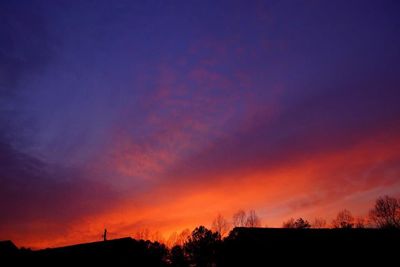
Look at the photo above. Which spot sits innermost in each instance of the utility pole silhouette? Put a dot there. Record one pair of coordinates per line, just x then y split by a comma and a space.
105, 234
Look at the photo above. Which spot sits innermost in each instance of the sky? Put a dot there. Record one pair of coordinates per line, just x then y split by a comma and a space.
159, 115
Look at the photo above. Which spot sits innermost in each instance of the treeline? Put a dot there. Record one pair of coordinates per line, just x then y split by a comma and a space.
247, 244
204, 247
384, 214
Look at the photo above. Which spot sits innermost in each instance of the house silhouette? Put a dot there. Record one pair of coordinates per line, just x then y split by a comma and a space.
7, 248
115, 252
315, 247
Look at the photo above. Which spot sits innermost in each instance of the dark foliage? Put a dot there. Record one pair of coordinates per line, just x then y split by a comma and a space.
202, 247
177, 257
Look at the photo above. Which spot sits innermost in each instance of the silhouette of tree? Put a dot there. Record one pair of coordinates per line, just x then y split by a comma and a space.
253, 220
142, 234
177, 257
300, 223
288, 224
201, 247
220, 225
386, 212
157, 253
359, 222
172, 239
239, 219
344, 219
319, 223
157, 237
183, 237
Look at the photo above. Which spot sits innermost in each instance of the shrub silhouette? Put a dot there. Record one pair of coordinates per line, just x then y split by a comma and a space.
239, 218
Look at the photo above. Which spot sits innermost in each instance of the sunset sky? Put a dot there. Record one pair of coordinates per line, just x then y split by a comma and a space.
158, 115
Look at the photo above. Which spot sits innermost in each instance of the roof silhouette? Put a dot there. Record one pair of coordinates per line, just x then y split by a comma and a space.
7, 247
107, 244
115, 252
260, 246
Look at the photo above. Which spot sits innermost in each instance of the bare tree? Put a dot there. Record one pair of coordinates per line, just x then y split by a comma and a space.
157, 236
252, 219
239, 219
143, 234
172, 240
344, 219
288, 224
300, 223
220, 225
386, 212
319, 223
359, 222
183, 237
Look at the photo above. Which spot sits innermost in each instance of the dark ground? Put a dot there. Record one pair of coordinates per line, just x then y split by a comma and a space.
243, 247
